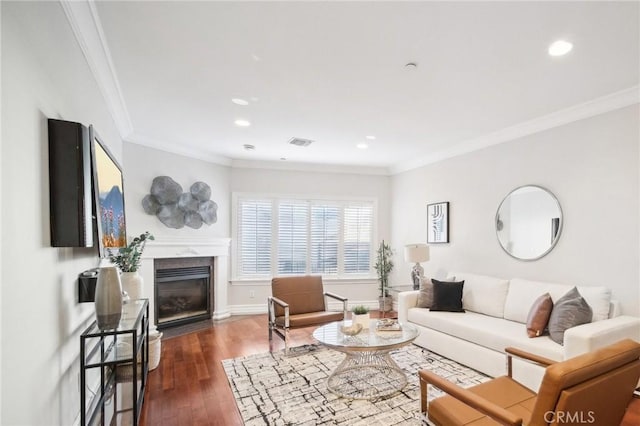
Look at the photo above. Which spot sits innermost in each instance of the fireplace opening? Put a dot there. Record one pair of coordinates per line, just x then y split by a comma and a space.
182, 292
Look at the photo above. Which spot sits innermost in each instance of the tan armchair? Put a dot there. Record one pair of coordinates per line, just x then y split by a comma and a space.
594, 388
299, 302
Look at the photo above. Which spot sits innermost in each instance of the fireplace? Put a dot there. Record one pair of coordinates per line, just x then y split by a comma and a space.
183, 290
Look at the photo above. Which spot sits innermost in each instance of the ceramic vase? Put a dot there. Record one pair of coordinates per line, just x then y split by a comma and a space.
133, 284
361, 319
108, 298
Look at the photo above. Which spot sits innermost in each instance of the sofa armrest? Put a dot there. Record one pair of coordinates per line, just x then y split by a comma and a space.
406, 300
588, 337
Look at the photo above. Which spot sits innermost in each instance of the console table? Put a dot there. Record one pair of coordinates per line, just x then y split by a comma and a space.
113, 368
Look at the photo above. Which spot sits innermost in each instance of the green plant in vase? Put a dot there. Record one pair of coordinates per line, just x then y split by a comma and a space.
360, 310
128, 261
128, 258
360, 316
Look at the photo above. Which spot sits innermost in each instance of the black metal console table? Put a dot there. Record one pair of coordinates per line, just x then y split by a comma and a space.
113, 368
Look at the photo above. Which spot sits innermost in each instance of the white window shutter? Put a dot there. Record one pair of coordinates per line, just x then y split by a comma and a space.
293, 222
325, 237
358, 227
254, 237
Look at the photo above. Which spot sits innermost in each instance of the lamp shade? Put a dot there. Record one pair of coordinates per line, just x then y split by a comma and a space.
416, 253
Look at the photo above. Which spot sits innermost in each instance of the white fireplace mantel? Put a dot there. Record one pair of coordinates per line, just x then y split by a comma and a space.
218, 248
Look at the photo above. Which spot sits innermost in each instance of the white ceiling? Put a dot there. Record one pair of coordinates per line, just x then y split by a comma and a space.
334, 72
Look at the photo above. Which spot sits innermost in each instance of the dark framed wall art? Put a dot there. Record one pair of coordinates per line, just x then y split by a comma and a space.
438, 222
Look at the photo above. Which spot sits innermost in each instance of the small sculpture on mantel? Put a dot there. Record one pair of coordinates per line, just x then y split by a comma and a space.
175, 208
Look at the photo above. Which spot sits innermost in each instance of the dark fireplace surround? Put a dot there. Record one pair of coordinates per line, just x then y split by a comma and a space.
183, 290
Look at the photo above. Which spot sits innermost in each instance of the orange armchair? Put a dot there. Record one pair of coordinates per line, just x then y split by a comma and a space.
593, 388
299, 302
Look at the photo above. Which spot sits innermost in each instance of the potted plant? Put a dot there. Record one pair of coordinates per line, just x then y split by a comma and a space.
360, 315
128, 261
384, 266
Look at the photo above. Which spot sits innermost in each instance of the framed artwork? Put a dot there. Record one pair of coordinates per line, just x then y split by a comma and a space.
438, 222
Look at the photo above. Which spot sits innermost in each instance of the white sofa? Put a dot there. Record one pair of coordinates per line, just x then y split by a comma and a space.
495, 318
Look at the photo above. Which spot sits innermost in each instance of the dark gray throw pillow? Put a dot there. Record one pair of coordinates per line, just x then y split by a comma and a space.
425, 297
447, 296
569, 311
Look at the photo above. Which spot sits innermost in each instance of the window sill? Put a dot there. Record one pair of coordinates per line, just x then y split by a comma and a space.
331, 280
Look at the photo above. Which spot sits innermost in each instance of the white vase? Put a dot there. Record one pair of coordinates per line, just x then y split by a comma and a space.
361, 319
133, 284
108, 300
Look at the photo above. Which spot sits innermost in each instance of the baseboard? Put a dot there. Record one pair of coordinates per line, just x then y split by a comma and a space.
220, 315
255, 309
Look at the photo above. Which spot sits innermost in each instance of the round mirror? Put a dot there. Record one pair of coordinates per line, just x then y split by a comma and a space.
528, 222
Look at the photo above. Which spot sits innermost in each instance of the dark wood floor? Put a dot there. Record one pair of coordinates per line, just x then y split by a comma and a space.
190, 386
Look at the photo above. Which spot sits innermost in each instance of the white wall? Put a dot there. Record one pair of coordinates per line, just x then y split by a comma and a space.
43, 75
591, 166
143, 164
310, 183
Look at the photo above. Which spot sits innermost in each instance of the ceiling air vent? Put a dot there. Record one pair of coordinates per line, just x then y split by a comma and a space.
300, 142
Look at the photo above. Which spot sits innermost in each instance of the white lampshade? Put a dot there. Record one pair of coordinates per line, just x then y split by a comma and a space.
416, 253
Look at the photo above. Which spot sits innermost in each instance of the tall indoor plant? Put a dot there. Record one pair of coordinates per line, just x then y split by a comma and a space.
384, 266
128, 261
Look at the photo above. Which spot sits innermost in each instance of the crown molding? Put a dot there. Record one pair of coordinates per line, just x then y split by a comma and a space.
601, 105
176, 148
87, 28
310, 167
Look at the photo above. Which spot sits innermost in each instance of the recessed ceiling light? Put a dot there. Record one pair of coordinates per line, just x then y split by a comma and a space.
362, 145
249, 147
371, 138
560, 47
242, 123
239, 101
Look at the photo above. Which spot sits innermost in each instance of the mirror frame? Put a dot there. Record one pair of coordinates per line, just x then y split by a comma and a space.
555, 240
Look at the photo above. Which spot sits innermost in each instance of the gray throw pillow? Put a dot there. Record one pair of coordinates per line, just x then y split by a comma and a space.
569, 311
425, 297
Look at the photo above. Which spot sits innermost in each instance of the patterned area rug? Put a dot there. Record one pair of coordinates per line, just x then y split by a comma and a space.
271, 389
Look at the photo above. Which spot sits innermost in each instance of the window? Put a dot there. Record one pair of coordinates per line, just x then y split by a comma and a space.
278, 236
254, 238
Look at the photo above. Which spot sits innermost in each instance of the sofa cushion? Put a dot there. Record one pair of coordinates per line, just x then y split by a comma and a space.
484, 294
599, 299
522, 294
447, 296
425, 297
568, 311
490, 332
539, 315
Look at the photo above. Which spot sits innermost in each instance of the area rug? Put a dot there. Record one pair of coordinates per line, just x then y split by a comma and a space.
271, 389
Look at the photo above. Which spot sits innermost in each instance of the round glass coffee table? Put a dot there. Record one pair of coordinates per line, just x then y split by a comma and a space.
367, 371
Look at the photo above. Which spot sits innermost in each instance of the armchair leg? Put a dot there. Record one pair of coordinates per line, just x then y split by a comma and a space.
423, 396
286, 341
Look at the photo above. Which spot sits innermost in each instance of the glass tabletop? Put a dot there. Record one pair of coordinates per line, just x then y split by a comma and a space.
367, 340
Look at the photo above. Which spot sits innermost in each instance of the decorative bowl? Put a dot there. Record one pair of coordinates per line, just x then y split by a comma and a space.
351, 330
